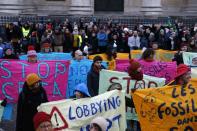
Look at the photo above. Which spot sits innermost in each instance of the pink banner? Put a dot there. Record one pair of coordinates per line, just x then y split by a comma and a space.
158, 69
54, 75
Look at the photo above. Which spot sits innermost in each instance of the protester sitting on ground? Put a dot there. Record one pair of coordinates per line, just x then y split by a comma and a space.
81, 91
8, 54
98, 124
42, 122
31, 96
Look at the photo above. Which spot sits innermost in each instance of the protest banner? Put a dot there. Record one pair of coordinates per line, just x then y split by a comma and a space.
109, 77
50, 56
161, 55
1, 110
78, 71
158, 69
76, 115
54, 75
194, 72
169, 108
190, 59
111, 63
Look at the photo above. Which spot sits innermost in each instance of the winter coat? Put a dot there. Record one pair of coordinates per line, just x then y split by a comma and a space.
27, 107
93, 81
102, 39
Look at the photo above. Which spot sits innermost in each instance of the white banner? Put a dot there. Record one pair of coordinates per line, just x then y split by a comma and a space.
76, 115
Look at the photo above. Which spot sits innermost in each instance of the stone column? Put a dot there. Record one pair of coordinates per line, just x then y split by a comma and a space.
81, 7
151, 7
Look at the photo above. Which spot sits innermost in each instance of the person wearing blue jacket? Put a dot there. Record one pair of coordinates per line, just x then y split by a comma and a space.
81, 91
102, 40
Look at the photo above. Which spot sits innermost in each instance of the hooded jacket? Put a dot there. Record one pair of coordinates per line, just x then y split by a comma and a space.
27, 107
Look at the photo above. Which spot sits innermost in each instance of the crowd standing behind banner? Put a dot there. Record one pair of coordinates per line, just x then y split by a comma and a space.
58, 48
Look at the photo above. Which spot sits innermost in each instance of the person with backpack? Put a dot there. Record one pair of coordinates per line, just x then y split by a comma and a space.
31, 96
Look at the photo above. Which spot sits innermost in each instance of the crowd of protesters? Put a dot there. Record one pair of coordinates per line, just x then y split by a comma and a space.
93, 37
85, 39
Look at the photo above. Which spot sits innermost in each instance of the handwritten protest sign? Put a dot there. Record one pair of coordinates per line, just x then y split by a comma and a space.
161, 55
158, 69
109, 77
54, 75
76, 115
78, 71
50, 56
169, 108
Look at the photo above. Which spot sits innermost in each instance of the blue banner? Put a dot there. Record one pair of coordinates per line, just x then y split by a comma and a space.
50, 56
78, 74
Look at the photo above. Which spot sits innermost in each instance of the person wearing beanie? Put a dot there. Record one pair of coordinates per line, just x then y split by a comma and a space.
32, 56
183, 75
98, 124
93, 76
81, 91
135, 70
42, 122
8, 54
31, 96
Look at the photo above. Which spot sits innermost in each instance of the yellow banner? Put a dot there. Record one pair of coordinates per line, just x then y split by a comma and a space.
161, 55
169, 108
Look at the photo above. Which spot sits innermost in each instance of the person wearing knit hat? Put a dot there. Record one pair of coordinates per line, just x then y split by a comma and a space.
81, 91
32, 56
31, 96
134, 70
98, 124
183, 74
42, 122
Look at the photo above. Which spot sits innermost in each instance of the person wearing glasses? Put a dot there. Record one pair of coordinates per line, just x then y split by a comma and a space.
31, 96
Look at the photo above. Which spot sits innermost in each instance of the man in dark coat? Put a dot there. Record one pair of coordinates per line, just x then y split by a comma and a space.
32, 95
93, 76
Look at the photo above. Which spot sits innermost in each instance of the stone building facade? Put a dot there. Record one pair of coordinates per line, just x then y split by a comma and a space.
87, 7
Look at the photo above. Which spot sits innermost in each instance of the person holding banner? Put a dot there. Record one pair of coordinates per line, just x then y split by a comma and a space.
32, 56
81, 91
93, 76
42, 122
31, 96
8, 54
183, 75
78, 55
